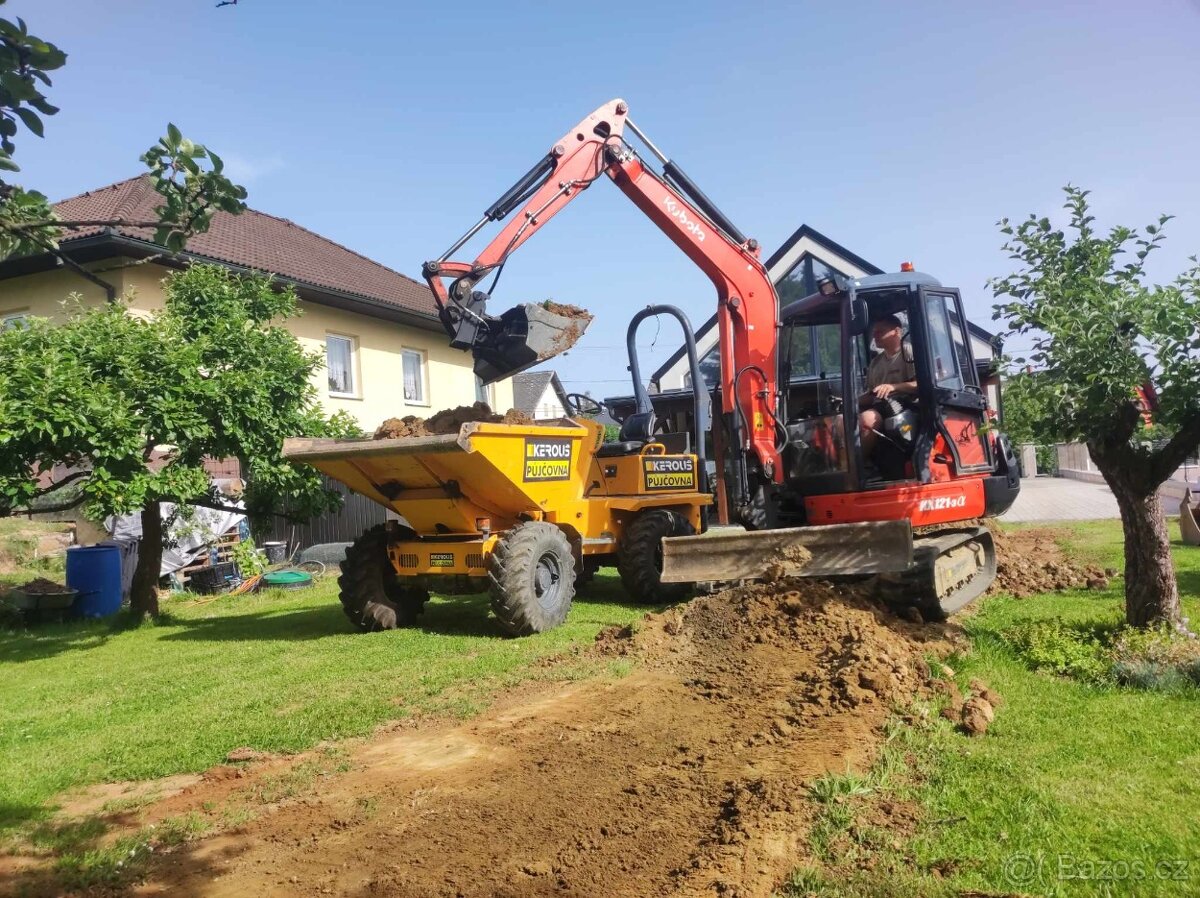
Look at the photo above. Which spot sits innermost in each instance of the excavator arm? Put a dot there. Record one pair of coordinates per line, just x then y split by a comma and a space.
747, 308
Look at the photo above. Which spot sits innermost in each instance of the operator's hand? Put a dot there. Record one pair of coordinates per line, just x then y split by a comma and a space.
883, 391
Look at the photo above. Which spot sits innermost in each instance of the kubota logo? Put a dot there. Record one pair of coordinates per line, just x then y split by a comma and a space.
942, 502
680, 216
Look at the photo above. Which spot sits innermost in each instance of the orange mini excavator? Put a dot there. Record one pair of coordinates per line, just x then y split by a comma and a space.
788, 446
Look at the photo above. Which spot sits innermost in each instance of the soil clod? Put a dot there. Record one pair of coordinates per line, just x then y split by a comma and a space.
448, 420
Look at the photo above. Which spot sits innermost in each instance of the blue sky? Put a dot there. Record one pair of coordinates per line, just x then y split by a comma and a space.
901, 130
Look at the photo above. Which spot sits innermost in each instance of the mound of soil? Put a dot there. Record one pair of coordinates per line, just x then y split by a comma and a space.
1031, 561
40, 586
685, 776
449, 420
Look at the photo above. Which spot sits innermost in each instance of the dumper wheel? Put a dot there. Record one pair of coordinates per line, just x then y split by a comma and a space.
532, 574
373, 597
640, 559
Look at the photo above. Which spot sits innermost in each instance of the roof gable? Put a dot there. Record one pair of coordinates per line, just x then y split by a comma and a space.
253, 240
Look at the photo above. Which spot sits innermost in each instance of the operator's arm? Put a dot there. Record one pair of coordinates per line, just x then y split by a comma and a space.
883, 391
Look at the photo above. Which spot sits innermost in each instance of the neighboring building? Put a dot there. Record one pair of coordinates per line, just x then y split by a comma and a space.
386, 353
804, 259
539, 394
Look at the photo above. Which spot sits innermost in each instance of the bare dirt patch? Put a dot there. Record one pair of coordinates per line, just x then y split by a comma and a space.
1031, 561
686, 776
449, 420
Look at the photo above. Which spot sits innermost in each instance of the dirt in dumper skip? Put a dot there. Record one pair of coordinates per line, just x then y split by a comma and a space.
686, 776
448, 420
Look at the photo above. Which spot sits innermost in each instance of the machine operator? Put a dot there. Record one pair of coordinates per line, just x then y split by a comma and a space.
889, 376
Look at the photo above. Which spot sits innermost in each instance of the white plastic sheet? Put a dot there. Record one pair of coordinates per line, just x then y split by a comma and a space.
189, 533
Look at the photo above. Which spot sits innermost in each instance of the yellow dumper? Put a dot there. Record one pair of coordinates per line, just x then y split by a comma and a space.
525, 512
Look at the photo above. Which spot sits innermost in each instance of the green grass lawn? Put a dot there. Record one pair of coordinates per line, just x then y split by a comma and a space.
99, 701
1076, 790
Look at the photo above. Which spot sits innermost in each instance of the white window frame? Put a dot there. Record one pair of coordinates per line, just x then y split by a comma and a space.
423, 360
355, 379
14, 319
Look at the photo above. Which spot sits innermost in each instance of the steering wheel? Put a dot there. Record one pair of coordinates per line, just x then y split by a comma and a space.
581, 404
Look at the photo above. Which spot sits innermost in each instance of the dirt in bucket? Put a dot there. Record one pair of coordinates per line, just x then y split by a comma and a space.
682, 773
569, 335
448, 420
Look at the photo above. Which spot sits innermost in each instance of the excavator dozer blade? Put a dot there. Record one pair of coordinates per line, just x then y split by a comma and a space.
522, 337
834, 550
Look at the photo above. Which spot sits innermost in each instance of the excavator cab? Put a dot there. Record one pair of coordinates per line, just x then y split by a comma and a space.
933, 436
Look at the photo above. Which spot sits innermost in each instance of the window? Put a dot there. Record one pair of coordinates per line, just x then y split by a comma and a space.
710, 368
803, 279
339, 363
941, 343
815, 351
13, 319
414, 376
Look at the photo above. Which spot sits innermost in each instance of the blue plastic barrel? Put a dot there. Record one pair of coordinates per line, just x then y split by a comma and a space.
96, 572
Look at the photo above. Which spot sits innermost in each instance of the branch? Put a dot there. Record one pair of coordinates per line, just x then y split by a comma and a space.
110, 292
1172, 455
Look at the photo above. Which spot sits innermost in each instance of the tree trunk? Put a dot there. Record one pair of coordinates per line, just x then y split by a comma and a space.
1151, 591
143, 598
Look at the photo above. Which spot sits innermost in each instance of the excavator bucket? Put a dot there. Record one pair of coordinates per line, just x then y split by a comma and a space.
525, 335
727, 553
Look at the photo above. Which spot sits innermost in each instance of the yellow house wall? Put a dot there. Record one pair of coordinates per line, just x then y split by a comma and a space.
449, 380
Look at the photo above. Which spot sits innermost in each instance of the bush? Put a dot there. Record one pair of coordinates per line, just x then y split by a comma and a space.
1060, 648
1106, 653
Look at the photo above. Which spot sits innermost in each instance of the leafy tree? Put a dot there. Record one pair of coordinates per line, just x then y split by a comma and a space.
1102, 330
191, 193
1027, 419
94, 394
132, 406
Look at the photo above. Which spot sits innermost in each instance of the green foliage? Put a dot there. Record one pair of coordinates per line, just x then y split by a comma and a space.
1100, 330
1027, 417
214, 375
191, 192
1060, 648
249, 558
1102, 653
24, 63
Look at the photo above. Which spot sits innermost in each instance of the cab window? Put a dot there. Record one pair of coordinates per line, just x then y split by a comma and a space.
942, 349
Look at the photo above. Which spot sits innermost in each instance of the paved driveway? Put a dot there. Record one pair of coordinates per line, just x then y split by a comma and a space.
1062, 499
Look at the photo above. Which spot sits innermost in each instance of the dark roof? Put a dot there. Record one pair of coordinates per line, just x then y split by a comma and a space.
875, 277
798, 235
817, 237
252, 240
529, 386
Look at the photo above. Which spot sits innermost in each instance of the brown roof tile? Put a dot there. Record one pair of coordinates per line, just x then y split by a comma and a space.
253, 240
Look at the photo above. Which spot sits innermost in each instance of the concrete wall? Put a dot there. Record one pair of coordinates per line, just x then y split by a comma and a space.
379, 380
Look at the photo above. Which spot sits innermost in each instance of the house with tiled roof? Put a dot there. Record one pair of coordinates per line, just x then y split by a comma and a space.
386, 353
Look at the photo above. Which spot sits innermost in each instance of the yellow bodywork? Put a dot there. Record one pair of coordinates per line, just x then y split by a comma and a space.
458, 491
